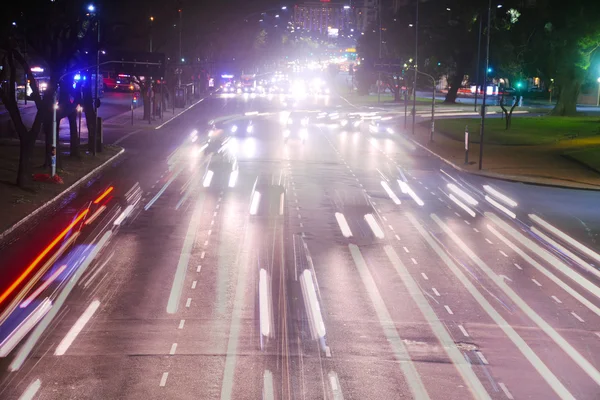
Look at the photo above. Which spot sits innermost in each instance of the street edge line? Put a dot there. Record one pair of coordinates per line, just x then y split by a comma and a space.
58, 196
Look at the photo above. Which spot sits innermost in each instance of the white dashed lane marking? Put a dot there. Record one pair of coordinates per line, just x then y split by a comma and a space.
463, 330
556, 299
163, 379
449, 310
434, 290
577, 317
181, 324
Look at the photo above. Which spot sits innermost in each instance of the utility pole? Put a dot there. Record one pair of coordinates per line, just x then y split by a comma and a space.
487, 66
478, 59
414, 110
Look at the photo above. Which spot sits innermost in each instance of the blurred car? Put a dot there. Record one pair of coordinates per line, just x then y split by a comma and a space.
381, 127
296, 127
268, 197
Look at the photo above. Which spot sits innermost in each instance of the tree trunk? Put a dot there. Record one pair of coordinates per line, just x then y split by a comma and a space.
457, 78
27, 143
73, 137
90, 117
567, 99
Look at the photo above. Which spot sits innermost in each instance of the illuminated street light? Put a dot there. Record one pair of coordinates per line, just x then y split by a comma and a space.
91, 8
151, 18
346, 7
284, 8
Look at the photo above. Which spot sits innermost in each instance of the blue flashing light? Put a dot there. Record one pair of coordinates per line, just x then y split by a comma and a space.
77, 77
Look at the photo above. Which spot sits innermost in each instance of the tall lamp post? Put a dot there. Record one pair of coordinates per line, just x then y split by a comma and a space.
92, 10
151, 21
485, 75
414, 109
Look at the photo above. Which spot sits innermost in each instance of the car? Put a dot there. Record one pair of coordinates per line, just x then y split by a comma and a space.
296, 127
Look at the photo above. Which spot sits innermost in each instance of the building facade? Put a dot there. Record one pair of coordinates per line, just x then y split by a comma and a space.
324, 17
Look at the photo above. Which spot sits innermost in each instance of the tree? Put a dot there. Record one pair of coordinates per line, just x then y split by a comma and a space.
27, 137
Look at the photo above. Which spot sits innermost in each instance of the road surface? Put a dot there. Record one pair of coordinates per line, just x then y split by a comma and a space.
350, 266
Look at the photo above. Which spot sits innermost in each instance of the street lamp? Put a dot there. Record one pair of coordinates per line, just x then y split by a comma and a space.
91, 8
151, 21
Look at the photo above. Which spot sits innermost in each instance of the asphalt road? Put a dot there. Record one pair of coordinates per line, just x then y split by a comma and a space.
350, 266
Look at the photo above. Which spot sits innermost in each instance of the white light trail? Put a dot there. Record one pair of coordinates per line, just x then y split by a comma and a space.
390, 193
374, 226
585, 250
344, 227
505, 199
500, 207
463, 195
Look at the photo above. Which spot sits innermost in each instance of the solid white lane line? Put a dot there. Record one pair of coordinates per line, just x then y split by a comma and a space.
163, 379
489, 241
583, 300
482, 357
264, 303
173, 349
536, 282
414, 261
508, 394
268, 393
335, 386
438, 328
503, 253
449, 310
188, 302
194, 284
463, 330
551, 379
436, 292
413, 379
556, 299
343, 224
31, 390
519, 302
424, 276
184, 257
577, 316
405, 249
70, 337
181, 324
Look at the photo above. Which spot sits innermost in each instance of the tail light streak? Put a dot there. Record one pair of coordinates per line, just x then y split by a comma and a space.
43, 286
41, 256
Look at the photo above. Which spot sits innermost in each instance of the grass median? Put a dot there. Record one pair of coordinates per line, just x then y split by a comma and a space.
525, 131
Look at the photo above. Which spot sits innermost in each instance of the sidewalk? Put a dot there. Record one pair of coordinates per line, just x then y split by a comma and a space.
544, 164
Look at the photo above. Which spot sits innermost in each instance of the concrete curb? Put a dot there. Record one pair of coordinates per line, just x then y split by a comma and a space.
550, 182
59, 196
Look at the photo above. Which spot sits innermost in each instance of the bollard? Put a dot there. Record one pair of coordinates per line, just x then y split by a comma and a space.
466, 144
